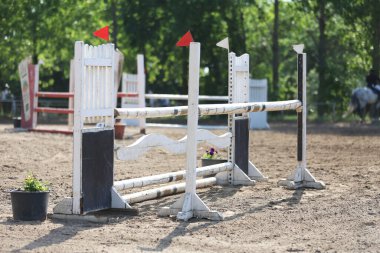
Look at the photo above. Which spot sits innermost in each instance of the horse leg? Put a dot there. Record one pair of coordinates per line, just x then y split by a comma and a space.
362, 113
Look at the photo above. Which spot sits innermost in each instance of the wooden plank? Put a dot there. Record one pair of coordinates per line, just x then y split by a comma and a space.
170, 177
127, 95
78, 125
99, 62
97, 170
54, 110
166, 191
213, 109
147, 142
185, 97
242, 144
43, 94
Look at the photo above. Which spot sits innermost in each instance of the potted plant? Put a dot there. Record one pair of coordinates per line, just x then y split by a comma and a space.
31, 202
211, 157
119, 129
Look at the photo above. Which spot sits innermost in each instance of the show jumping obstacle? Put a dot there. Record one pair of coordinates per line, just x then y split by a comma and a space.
93, 184
134, 94
29, 76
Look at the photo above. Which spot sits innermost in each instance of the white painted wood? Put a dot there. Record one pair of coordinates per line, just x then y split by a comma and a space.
192, 118
209, 109
24, 79
258, 92
78, 125
129, 86
97, 61
304, 112
117, 200
70, 120
147, 142
255, 173
36, 89
190, 205
93, 101
118, 72
98, 112
171, 176
141, 89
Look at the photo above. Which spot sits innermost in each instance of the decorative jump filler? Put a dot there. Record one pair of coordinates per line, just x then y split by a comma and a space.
94, 187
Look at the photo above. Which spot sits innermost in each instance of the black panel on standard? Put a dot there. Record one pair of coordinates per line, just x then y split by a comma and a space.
300, 114
97, 170
241, 144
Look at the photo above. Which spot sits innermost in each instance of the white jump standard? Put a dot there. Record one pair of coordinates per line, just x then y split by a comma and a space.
301, 178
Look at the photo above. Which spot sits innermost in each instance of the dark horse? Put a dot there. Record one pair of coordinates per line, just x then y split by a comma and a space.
364, 100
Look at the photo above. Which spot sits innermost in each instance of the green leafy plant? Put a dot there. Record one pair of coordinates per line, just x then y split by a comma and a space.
33, 184
211, 154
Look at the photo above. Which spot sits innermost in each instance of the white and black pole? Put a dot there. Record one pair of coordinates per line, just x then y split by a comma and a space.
301, 178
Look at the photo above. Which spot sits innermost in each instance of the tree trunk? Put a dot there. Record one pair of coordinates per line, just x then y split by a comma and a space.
185, 72
376, 45
114, 22
322, 89
275, 62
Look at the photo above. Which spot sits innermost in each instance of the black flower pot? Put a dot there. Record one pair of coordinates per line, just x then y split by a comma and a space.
28, 206
16, 122
208, 162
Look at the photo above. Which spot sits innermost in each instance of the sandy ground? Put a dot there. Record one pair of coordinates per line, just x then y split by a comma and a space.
264, 218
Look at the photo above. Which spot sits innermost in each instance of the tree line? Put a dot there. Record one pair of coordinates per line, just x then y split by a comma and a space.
342, 40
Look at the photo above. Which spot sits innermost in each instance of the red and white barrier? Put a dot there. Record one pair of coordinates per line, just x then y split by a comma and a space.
29, 76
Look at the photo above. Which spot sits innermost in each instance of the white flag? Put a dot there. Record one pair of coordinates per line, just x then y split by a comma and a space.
298, 48
224, 44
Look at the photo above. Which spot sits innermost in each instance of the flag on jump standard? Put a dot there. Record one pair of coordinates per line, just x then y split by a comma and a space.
185, 40
103, 33
224, 44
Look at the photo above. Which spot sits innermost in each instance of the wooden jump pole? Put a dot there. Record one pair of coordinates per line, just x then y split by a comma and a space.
213, 109
166, 191
170, 177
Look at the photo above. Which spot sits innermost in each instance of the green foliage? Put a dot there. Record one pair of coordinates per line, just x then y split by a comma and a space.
47, 30
32, 184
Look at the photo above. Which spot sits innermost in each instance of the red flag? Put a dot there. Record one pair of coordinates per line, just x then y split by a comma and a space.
103, 33
185, 40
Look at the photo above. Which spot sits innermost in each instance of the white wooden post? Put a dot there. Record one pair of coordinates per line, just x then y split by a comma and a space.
190, 205
70, 120
238, 92
78, 125
301, 178
35, 98
141, 89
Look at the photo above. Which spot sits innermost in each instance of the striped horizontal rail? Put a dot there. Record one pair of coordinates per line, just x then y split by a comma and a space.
51, 131
165, 191
54, 110
55, 94
173, 96
127, 95
212, 109
171, 176
185, 97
